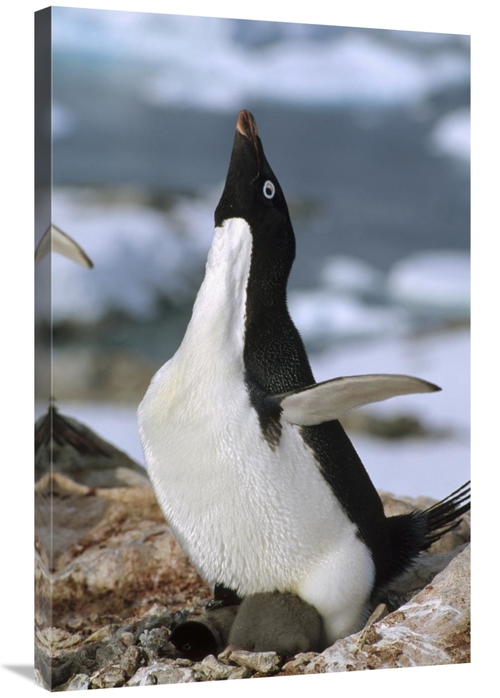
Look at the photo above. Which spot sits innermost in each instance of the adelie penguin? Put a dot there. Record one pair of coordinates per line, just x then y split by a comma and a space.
254, 473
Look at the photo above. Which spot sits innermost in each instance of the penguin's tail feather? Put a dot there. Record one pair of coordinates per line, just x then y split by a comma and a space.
444, 516
416, 531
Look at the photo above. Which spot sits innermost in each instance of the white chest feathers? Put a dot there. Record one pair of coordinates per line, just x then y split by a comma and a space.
250, 517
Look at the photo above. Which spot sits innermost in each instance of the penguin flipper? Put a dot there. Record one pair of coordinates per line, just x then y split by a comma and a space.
55, 239
333, 399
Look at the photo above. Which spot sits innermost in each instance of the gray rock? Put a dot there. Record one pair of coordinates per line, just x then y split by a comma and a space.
110, 652
126, 638
210, 669
39, 680
261, 662
164, 672
131, 660
79, 682
241, 673
155, 643
109, 677
65, 445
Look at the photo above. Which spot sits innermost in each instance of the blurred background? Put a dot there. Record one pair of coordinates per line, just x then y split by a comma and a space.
368, 134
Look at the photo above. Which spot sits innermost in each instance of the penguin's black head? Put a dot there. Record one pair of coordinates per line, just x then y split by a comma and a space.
253, 193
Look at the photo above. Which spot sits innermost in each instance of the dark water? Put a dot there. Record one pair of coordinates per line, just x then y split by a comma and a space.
361, 182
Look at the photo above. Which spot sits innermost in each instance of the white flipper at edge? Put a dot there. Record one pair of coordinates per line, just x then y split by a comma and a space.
55, 239
333, 399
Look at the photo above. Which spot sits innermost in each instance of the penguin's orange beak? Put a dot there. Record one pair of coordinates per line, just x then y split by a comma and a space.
246, 125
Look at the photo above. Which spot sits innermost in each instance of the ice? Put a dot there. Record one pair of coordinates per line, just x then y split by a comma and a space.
437, 281
356, 300
318, 65
451, 135
351, 275
140, 254
143, 255
321, 313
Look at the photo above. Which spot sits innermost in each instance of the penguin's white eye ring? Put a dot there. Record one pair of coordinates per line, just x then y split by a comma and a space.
269, 189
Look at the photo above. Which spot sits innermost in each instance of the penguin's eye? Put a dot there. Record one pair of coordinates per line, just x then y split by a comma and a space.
269, 189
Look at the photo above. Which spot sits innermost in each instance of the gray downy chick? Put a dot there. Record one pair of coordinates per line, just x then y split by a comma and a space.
277, 622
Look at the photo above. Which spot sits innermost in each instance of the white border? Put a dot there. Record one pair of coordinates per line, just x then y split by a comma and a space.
16, 293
